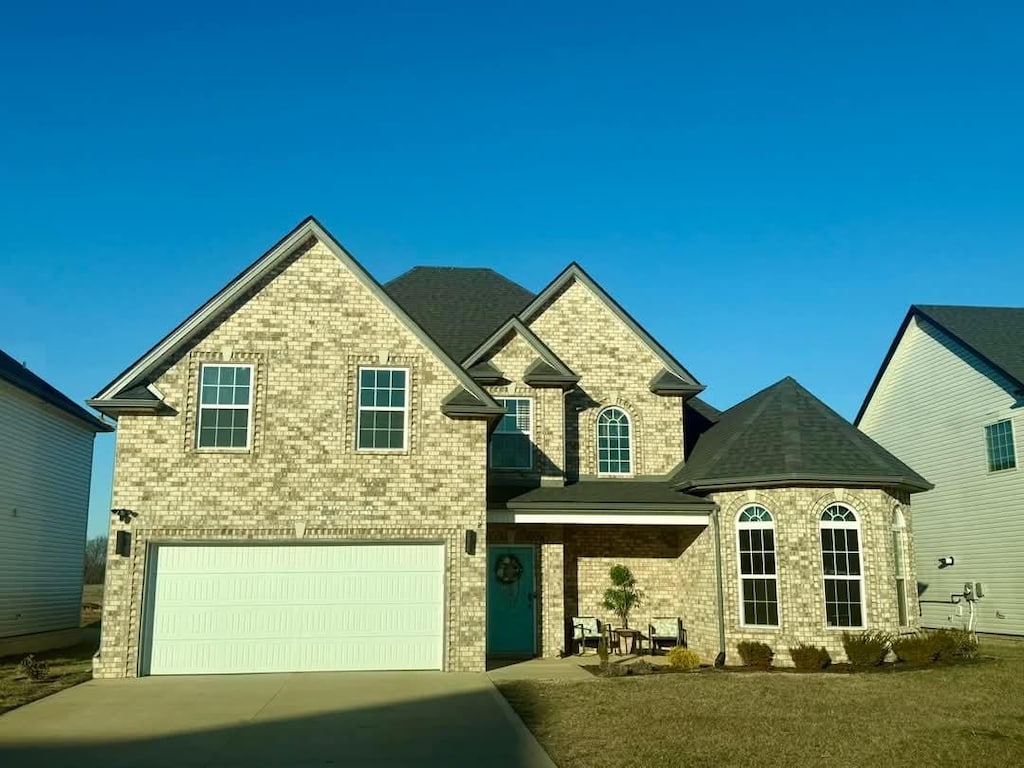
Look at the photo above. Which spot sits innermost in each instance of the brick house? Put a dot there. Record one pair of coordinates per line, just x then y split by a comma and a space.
321, 472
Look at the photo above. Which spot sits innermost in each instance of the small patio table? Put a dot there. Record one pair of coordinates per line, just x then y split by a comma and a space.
635, 639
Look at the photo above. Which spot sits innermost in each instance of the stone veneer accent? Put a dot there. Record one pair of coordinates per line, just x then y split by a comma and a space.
308, 327
616, 368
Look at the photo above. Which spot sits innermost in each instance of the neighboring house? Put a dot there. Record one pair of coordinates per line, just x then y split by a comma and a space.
327, 473
46, 445
949, 398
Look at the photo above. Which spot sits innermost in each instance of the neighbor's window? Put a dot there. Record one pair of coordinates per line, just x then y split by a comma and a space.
999, 442
614, 443
759, 593
225, 406
383, 408
512, 441
840, 557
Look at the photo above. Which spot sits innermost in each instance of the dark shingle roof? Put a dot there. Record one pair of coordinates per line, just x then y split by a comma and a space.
784, 435
995, 333
21, 377
588, 493
458, 306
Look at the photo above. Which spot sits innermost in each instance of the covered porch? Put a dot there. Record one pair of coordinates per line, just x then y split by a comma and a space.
550, 550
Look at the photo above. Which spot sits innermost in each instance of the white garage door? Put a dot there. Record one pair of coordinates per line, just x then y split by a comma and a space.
292, 608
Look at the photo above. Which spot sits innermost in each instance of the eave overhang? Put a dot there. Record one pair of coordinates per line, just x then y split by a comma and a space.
668, 384
125, 407
784, 480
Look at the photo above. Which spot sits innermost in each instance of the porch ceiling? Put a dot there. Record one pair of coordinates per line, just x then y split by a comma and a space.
609, 502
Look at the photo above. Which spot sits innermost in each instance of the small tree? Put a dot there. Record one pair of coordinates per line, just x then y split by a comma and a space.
95, 559
623, 596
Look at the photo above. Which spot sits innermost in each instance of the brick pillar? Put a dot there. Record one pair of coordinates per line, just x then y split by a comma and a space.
552, 595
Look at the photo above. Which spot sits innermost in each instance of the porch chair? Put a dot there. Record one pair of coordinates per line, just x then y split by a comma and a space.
584, 629
666, 629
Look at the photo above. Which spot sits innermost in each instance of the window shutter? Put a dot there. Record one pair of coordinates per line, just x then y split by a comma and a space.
524, 416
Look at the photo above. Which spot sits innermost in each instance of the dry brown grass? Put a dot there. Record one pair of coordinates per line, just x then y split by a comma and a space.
66, 667
970, 714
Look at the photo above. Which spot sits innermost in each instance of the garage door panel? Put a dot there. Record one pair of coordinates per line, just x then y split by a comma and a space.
282, 656
223, 609
297, 622
309, 587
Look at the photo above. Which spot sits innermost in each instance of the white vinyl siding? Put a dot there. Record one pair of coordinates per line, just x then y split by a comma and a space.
45, 468
930, 409
215, 609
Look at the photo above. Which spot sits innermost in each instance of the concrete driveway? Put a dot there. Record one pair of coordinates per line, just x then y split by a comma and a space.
311, 719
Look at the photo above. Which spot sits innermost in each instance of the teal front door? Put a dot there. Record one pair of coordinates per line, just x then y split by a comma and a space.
511, 597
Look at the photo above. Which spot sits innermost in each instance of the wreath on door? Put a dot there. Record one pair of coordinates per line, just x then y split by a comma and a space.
508, 569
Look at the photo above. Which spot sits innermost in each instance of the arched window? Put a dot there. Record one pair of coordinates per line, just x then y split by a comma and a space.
841, 567
614, 443
759, 593
899, 527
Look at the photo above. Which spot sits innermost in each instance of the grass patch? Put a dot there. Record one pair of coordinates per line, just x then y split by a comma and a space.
964, 714
65, 667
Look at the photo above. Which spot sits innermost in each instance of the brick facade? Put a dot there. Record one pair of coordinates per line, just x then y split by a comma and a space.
307, 328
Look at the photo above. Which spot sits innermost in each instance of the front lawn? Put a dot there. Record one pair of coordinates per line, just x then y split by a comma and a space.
971, 714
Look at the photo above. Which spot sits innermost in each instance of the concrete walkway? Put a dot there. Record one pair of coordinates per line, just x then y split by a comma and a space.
312, 719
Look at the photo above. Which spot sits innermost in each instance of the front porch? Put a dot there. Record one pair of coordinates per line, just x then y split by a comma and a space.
550, 551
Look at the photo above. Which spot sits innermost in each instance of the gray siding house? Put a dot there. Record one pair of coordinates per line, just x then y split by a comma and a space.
948, 400
46, 443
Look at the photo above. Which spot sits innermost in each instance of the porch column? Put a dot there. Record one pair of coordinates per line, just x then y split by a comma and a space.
552, 606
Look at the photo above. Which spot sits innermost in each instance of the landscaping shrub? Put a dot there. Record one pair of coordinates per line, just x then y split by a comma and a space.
683, 658
808, 657
866, 649
917, 648
934, 645
959, 644
756, 654
33, 668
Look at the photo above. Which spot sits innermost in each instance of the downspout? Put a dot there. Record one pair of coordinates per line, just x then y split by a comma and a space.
719, 592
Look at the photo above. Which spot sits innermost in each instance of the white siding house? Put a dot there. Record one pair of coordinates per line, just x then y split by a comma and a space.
46, 443
948, 401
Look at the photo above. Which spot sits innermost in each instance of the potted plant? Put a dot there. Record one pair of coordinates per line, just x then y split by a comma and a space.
623, 596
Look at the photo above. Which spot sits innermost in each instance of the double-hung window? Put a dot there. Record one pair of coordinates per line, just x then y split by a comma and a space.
383, 421
999, 446
512, 441
225, 406
840, 557
759, 581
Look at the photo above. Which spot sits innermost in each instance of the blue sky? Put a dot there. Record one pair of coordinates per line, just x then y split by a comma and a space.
766, 187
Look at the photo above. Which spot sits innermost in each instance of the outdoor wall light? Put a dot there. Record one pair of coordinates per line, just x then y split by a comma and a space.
470, 542
123, 544
124, 515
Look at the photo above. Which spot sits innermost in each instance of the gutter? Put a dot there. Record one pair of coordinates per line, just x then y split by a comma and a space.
719, 589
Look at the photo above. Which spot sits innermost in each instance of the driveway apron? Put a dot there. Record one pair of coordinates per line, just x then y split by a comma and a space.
302, 719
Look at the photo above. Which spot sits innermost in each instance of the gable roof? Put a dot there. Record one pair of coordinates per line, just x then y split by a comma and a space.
458, 306
307, 231
785, 436
17, 375
681, 380
995, 334
547, 370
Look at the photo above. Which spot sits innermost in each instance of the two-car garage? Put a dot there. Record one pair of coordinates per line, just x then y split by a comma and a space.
220, 609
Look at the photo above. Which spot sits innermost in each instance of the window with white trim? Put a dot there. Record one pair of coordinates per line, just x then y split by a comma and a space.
899, 526
512, 441
225, 406
383, 422
614, 442
759, 592
999, 446
841, 567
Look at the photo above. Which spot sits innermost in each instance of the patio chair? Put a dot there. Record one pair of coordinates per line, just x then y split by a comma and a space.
584, 629
666, 629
